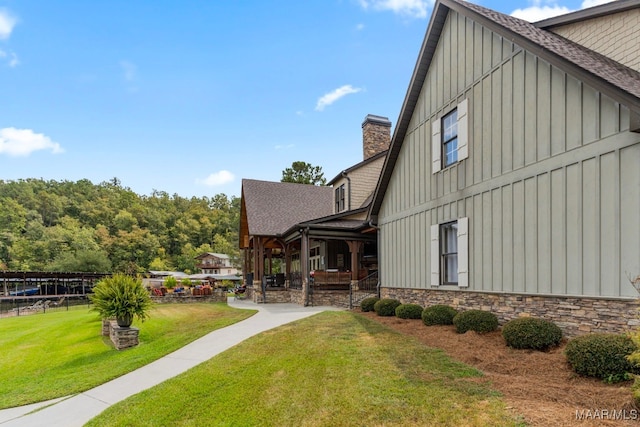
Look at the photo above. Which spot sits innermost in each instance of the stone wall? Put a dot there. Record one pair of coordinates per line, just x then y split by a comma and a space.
376, 135
576, 316
330, 298
190, 299
273, 296
123, 337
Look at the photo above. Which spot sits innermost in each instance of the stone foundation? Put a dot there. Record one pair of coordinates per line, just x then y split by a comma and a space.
217, 296
330, 298
273, 296
122, 337
296, 296
575, 315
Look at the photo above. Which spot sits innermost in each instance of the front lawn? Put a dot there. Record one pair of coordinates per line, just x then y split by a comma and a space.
334, 368
45, 356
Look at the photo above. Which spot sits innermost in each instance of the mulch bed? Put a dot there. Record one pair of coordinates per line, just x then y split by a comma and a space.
540, 386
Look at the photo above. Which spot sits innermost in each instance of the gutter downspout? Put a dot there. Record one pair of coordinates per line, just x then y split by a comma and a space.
346, 175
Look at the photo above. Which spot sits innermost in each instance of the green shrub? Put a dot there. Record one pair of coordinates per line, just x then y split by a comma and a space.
439, 314
170, 282
475, 320
635, 391
386, 307
409, 311
602, 356
533, 333
121, 297
368, 303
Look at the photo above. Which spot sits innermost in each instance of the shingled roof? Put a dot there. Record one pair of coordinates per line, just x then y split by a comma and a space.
271, 208
617, 81
543, 43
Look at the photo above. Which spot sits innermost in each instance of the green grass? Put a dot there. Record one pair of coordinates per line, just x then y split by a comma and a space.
45, 356
332, 369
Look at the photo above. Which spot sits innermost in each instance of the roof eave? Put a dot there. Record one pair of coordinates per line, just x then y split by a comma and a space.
589, 13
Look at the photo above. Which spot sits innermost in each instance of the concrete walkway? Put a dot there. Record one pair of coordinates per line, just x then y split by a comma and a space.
78, 409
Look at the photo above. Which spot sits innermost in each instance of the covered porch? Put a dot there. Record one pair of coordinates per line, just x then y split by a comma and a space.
303, 267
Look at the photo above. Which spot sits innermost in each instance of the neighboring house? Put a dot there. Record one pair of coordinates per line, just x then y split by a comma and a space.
318, 236
512, 183
213, 263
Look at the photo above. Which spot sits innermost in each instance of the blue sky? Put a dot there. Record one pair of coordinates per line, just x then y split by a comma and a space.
191, 96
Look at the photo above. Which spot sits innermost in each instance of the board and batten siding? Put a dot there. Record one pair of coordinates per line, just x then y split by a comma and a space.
551, 186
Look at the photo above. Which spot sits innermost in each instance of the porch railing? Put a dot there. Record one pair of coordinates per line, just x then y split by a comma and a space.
367, 287
331, 280
295, 280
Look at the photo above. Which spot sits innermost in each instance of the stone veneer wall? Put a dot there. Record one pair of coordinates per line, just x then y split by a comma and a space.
376, 135
172, 299
273, 296
330, 298
576, 316
123, 337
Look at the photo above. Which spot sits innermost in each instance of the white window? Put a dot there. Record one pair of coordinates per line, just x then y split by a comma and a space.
450, 253
450, 138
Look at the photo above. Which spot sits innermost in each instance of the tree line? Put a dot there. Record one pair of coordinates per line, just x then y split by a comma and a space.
81, 226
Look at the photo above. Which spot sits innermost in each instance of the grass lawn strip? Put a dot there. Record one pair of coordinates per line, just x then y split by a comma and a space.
334, 368
58, 354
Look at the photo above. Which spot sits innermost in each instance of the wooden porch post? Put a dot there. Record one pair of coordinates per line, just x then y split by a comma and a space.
355, 248
304, 265
270, 259
287, 260
260, 259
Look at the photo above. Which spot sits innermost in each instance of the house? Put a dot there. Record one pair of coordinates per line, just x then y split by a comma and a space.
213, 263
512, 182
313, 244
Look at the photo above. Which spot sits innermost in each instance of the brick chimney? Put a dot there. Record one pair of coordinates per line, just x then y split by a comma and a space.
376, 135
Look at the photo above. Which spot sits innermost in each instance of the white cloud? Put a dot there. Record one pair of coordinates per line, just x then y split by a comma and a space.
22, 142
7, 22
359, 27
331, 97
538, 13
414, 8
12, 58
217, 179
129, 70
543, 9
591, 3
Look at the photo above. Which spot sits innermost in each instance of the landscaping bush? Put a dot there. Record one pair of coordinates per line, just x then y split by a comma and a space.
409, 311
386, 307
602, 356
475, 320
533, 333
368, 303
439, 314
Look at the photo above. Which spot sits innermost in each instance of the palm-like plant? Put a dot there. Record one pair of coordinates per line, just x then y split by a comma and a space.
122, 297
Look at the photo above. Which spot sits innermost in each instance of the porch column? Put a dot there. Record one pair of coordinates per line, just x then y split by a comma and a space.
246, 265
355, 248
304, 264
287, 265
270, 259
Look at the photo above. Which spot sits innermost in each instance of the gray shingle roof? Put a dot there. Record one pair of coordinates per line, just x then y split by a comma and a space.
599, 65
273, 207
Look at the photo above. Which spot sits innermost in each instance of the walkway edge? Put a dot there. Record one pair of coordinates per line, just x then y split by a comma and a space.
79, 409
